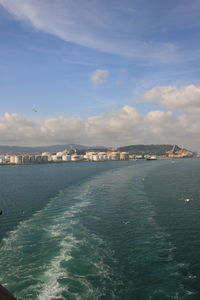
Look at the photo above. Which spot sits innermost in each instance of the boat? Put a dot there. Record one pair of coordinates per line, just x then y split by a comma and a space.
153, 157
188, 199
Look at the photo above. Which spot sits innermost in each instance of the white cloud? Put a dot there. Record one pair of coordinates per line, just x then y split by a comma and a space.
15, 129
185, 99
99, 77
120, 127
93, 25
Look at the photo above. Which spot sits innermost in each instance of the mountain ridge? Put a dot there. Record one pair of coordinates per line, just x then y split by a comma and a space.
156, 149
5, 149
151, 149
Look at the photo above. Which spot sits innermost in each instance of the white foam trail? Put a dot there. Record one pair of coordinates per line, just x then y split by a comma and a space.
16, 238
51, 289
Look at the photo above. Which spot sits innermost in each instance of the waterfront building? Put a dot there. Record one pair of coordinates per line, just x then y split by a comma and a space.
2, 159
18, 159
109, 156
131, 156
7, 158
56, 158
115, 155
76, 157
53, 157
38, 158
89, 155
59, 154
66, 157
32, 159
48, 154
102, 156
12, 159
95, 157
124, 155
45, 159
139, 156
25, 159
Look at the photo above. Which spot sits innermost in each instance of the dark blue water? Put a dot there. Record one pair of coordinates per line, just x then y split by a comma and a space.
112, 230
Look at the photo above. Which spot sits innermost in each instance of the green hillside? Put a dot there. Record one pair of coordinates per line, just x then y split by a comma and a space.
148, 149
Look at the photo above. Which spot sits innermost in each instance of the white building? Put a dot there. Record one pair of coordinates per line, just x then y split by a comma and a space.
7, 158
48, 154
12, 159
95, 157
89, 155
66, 157
115, 155
2, 159
76, 157
18, 159
124, 155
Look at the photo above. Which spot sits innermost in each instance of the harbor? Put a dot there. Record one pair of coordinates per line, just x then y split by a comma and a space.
79, 155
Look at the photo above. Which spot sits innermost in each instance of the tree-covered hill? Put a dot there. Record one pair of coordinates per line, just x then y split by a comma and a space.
148, 149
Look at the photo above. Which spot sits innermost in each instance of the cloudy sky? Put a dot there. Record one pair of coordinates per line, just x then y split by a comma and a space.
100, 72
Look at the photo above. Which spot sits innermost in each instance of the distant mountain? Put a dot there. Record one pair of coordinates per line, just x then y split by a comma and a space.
54, 148
132, 149
148, 149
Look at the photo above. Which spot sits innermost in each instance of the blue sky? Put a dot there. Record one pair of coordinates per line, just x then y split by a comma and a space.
106, 67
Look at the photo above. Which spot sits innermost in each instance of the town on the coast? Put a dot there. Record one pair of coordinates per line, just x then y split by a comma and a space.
69, 155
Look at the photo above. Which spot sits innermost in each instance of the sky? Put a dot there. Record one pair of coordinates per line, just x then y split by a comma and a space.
98, 72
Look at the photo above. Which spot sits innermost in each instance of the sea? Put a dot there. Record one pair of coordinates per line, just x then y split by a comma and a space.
124, 230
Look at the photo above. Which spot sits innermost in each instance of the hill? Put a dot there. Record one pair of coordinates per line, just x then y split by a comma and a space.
4, 149
132, 149
148, 149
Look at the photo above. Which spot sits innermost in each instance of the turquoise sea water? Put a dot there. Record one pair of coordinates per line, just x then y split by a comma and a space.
111, 230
